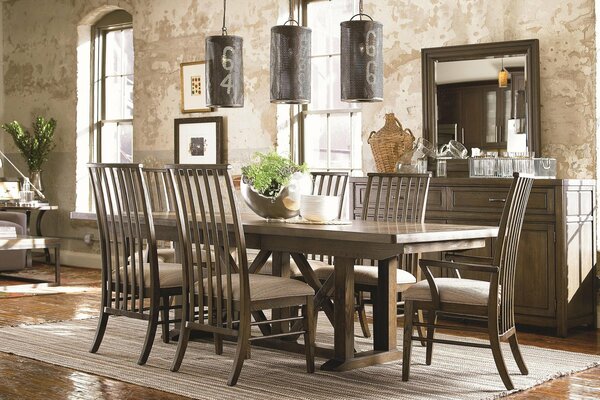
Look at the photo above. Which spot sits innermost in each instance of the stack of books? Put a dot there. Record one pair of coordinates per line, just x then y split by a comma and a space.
8, 232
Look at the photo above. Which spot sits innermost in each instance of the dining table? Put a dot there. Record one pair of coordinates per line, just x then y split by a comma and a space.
345, 242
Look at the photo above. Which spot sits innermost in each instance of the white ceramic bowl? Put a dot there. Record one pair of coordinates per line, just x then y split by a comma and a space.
319, 208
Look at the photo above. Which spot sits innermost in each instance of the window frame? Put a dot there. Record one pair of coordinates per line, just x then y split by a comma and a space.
303, 111
118, 20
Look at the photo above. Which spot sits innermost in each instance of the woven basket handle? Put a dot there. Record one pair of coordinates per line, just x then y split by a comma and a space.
370, 136
402, 128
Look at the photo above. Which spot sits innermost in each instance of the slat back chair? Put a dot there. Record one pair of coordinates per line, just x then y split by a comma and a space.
496, 304
217, 289
329, 184
160, 201
160, 197
396, 197
130, 287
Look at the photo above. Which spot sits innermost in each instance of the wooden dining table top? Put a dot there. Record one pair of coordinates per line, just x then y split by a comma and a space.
385, 232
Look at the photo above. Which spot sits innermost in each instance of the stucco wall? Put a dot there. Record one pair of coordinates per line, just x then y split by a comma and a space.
40, 72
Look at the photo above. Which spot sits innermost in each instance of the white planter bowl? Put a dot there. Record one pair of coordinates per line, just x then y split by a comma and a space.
319, 208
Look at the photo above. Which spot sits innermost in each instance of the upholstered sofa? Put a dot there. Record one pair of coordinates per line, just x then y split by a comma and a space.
13, 259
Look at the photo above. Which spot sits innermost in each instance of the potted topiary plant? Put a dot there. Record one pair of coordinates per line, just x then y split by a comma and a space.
34, 147
272, 185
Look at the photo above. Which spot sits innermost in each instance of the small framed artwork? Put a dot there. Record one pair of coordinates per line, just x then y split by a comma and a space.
199, 140
193, 87
9, 189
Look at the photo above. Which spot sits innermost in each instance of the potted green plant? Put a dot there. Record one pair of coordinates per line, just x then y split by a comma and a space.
272, 185
34, 147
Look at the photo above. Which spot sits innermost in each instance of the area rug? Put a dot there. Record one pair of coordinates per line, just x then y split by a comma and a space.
456, 372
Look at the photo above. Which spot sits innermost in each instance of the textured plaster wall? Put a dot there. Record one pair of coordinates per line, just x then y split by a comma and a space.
40, 73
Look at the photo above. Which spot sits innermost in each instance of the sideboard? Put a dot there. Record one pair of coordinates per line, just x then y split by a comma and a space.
556, 261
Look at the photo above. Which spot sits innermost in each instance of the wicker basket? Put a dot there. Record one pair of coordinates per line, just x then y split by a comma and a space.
390, 143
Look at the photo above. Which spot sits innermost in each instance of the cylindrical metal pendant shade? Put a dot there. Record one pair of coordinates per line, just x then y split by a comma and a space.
290, 64
362, 61
224, 71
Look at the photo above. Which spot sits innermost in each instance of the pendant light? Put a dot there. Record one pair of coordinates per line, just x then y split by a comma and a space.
503, 76
290, 62
362, 59
224, 69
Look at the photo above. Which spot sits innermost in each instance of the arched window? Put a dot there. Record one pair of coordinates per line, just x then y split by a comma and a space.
112, 88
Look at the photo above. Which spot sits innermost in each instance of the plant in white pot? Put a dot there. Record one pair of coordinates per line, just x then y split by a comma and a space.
35, 147
272, 185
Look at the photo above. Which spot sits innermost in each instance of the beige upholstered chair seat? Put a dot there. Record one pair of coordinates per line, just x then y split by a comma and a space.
169, 275
452, 290
264, 287
267, 269
367, 275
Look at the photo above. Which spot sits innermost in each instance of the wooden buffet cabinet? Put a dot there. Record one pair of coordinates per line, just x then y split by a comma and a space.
556, 262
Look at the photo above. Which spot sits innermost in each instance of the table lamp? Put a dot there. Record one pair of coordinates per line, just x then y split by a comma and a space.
20, 173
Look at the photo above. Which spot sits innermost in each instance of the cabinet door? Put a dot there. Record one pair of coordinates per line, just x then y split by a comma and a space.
535, 286
491, 130
471, 117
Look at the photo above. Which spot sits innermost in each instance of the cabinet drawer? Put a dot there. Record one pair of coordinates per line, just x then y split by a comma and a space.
436, 199
541, 201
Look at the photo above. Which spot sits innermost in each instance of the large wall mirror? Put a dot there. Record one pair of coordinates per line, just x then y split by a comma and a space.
464, 100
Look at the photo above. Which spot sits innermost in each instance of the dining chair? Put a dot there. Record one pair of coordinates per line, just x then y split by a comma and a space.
131, 288
160, 201
397, 197
491, 301
225, 295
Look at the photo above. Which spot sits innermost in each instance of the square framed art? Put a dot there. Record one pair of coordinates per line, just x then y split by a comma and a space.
199, 140
193, 87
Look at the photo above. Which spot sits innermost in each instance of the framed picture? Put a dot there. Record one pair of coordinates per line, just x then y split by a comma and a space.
193, 87
9, 189
199, 140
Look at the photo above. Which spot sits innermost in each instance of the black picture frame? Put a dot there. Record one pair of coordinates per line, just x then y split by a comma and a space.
199, 140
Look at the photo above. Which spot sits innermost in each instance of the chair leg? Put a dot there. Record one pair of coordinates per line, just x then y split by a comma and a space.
218, 339
150, 334
102, 322
240, 354
362, 316
309, 335
514, 347
431, 321
184, 338
407, 340
497, 352
165, 318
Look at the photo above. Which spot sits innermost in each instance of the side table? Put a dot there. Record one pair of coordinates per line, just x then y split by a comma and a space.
41, 210
26, 242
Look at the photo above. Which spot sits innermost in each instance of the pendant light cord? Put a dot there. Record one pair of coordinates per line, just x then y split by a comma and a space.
291, 19
224, 29
360, 9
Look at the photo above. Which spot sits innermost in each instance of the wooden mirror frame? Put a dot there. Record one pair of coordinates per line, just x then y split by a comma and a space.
529, 47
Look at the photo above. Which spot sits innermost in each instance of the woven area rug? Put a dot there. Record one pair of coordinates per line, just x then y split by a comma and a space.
456, 372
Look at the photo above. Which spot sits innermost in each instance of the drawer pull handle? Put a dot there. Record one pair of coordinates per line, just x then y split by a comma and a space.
497, 200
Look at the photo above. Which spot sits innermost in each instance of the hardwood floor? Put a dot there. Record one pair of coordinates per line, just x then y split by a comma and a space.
24, 378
